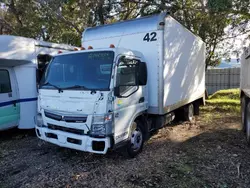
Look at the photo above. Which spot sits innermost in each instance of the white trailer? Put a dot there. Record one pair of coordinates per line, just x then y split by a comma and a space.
133, 79
19, 59
245, 92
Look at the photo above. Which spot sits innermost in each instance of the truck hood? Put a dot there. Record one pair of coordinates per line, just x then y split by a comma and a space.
73, 102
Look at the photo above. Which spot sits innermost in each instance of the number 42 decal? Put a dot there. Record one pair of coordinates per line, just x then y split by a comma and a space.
150, 37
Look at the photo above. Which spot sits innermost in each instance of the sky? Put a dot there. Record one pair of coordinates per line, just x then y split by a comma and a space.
237, 43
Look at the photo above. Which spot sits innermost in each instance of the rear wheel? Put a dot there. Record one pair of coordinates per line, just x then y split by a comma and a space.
189, 112
247, 122
197, 108
243, 112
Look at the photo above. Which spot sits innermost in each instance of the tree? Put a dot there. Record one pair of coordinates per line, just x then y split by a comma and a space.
214, 20
63, 21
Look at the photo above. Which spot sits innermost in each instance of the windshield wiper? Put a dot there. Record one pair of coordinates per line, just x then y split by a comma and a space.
75, 87
49, 84
79, 87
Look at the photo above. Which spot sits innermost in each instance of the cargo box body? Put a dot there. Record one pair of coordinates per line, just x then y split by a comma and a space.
175, 57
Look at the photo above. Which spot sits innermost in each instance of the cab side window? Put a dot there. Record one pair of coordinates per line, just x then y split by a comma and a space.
126, 74
42, 61
5, 85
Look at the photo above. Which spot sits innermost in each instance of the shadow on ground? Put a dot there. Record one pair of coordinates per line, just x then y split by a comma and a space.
211, 152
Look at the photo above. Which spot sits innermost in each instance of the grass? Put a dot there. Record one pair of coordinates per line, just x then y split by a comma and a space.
224, 100
233, 94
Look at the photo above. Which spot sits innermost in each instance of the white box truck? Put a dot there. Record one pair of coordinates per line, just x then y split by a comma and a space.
19, 59
245, 92
131, 80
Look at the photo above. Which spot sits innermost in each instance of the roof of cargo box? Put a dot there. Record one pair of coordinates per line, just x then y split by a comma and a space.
15, 50
137, 25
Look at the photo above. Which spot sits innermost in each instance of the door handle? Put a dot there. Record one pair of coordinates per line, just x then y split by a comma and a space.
14, 103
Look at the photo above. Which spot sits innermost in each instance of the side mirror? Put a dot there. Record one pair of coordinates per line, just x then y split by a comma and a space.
117, 91
143, 74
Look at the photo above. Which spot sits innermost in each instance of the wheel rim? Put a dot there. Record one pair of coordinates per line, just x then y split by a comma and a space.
248, 123
136, 139
190, 112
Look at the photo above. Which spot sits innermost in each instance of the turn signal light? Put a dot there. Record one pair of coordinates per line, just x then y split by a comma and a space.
59, 52
82, 48
90, 47
75, 49
112, 46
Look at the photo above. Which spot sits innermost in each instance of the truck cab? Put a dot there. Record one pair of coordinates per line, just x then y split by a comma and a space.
84, 94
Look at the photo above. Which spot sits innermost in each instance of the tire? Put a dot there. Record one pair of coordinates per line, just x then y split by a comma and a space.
179, 115
189, 112
247, 121
197, 108
243, 112
136, 141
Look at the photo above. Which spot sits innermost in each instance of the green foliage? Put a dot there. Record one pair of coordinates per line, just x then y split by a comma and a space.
63, 21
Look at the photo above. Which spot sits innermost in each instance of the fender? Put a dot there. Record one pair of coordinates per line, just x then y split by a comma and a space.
126, 138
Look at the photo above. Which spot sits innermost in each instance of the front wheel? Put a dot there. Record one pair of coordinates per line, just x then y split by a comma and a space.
135, 144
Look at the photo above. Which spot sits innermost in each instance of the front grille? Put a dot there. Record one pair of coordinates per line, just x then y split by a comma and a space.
66, 129
53, 116
69, 119
75, 119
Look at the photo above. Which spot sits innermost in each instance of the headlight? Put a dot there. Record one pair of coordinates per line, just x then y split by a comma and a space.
98, 130
102, 125
39, 120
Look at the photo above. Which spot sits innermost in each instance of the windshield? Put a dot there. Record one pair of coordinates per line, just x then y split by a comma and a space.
89, 70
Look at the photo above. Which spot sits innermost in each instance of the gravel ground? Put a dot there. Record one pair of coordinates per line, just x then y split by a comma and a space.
210, 152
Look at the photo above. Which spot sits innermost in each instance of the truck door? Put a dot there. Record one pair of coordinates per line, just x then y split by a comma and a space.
9, 106
131, 100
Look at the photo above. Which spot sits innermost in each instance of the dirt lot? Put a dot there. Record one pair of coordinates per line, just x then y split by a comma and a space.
210, 152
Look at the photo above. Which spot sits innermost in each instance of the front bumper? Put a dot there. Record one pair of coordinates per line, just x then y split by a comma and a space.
74, 141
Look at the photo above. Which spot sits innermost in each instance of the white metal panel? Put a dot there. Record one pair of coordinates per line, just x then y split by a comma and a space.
184, 64
245, 70
21, 50
16, 47
26, 79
